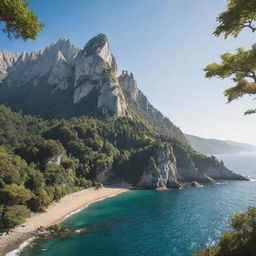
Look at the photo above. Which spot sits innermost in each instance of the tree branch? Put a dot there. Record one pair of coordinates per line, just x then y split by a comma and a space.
249, 25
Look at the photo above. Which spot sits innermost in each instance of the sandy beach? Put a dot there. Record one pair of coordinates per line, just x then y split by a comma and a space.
55, 213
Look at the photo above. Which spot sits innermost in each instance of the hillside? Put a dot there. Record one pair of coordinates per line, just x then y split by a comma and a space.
216, 147
86, 126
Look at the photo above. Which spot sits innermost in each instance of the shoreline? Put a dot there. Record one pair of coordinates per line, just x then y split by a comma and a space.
56, 213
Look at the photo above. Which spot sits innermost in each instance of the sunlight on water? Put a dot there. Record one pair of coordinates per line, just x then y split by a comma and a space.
152, 223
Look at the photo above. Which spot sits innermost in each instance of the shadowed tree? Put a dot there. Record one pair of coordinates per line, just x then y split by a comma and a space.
18, 21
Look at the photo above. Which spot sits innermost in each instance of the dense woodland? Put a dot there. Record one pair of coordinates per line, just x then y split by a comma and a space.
31, 176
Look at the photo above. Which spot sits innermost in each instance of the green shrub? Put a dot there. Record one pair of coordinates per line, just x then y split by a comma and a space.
14, 215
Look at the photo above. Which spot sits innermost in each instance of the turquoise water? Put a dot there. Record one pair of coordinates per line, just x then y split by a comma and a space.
154, 223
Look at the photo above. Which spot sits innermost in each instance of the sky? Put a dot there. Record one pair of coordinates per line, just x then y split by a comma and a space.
166, 44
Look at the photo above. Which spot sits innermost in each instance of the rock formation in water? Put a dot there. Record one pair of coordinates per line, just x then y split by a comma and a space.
161, 171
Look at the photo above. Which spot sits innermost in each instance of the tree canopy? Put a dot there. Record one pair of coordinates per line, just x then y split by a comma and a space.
240, 14
241, 241
18, 21
241, 66
31, 177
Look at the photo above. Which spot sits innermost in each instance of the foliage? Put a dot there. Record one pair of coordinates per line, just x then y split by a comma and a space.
19, 21
241, 241
240, 66
14, 194
89, 149
14, 215
240, 14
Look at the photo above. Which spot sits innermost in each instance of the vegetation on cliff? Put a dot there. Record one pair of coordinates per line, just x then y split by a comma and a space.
43, 160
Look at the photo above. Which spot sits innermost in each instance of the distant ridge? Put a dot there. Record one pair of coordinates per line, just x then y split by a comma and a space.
217, 147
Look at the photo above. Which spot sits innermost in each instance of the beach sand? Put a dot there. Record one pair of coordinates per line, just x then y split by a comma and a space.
55, 213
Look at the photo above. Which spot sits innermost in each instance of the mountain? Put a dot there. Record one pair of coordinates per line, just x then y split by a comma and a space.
100, 119
245, 146
63, 81
216, 147
6, 59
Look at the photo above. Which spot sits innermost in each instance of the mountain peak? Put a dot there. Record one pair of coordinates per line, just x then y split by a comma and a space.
81, 82
96, 43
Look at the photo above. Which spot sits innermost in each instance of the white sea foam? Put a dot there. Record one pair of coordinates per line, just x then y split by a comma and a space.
251, 178
21, 247
26, 243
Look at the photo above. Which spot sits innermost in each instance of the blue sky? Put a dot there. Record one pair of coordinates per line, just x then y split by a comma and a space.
166, 44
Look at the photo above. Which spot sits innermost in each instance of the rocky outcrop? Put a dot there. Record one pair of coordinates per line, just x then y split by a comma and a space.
165, 169
7, 58
73, 80
55, 159
96, 69
222, 173
139, 103
54, 61
195, 184
63, 66
161, 171
103, 176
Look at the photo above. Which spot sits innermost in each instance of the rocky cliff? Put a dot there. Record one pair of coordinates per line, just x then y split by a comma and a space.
7, 58
140, 107
169, 164
161, 170
62, 67
62, 80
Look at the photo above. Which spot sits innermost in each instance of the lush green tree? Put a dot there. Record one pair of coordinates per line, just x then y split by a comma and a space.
18, 20
39, 201
14, 194
241, 241
240, 14
14, 215
240, 66
13, 169
35, 181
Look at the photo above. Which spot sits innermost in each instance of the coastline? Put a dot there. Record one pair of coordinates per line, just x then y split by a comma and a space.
56, 212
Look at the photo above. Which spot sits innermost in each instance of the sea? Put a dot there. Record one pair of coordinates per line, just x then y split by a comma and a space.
156, 223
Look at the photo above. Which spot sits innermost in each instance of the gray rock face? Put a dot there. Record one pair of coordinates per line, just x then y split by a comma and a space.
63, 65
95, 68
161, 171
104, 175
56, 159
7, 58
54, 61
222, 174
139, 102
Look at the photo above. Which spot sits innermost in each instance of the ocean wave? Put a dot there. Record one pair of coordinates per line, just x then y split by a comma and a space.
21, 247
251, 178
